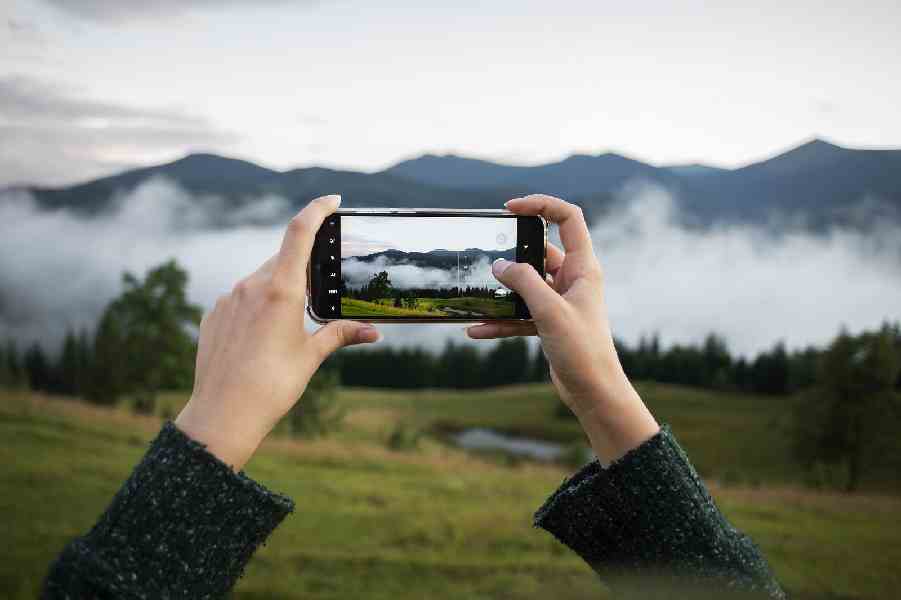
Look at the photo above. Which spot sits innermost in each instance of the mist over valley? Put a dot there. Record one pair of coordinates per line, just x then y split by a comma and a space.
748, 253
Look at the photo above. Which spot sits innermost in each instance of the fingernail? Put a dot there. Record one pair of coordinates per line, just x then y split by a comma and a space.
334, 199
480, 331
500, 265
369, 335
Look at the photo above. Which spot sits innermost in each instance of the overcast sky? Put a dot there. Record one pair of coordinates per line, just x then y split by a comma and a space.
361, 236
88, 87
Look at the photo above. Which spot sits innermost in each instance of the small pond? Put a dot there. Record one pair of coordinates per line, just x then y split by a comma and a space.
478, 438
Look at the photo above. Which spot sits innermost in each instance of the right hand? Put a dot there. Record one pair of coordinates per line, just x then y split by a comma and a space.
570, 316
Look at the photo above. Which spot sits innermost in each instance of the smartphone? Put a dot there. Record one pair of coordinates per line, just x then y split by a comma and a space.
420, 265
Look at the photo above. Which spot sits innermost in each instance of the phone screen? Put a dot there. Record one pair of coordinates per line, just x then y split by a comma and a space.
425, 267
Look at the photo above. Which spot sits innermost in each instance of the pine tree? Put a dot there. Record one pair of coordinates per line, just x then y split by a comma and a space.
68, 368
838, 423
540, 367
5, 375
14, 365
508, 363
85, 361
38, 368
107, 374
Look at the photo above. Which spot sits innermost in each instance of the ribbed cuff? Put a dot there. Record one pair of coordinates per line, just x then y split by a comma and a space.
650, 510
185, 523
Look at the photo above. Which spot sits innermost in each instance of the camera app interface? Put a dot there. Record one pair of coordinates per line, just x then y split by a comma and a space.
425, 267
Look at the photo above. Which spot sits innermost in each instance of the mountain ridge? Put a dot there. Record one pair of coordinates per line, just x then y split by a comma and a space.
818, 184
436, 259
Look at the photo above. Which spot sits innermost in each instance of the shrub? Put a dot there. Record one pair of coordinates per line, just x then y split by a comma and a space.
404, 437
317, 412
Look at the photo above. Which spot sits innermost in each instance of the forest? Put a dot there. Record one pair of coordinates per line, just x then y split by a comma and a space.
145, 341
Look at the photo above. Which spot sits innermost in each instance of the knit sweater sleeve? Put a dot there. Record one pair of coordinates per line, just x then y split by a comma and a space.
182, 526
648, 517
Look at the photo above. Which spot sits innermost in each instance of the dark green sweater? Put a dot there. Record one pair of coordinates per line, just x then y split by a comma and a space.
184, 525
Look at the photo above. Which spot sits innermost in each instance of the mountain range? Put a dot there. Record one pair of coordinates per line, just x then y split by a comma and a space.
437, 259
815, 185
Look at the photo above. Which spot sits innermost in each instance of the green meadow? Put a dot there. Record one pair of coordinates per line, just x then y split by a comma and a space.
429, 307
433, 521
354, 307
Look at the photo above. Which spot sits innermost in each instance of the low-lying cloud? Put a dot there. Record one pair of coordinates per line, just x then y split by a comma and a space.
405, 276
752, 286
59, 270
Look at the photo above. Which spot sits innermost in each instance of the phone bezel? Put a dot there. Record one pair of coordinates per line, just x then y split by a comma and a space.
424, 212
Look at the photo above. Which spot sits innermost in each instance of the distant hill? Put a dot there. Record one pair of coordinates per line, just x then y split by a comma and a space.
240, 182
576, 176
693, 170
815, 185
457, 172
437, 259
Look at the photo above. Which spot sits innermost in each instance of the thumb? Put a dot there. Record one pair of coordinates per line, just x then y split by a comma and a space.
339, 334
523, 279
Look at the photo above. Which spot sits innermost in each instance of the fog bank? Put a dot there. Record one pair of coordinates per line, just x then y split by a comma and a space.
404, 276
749, 285
59, 270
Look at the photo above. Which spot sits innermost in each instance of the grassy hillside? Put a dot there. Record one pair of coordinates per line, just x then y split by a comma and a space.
733, 437
429, 307
434, 522
354, 307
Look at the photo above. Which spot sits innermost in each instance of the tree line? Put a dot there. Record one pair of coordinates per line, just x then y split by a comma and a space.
845, 395
143, 343
707, 365
460, 366
710, 365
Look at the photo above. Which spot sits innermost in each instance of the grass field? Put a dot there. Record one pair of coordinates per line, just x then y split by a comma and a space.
437, 522
430, 307
354, 307
755, 426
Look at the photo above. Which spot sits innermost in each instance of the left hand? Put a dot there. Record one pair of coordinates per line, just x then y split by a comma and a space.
255, 357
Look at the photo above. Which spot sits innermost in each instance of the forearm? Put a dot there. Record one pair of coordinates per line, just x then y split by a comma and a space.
649, 514
182, 526
613, 416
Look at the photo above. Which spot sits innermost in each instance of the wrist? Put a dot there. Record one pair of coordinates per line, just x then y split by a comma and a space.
232, 444
615, 419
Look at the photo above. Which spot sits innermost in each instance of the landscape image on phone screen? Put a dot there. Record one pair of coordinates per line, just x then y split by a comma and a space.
425, 267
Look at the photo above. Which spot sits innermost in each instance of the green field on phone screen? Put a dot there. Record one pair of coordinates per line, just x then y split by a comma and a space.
429, 307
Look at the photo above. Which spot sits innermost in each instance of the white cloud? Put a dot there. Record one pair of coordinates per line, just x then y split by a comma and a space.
405, 275
58, 269
750, 286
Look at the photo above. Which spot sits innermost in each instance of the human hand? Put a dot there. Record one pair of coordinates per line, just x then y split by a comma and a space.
570, 316
254, 357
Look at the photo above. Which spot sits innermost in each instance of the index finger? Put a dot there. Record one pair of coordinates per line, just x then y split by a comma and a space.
568, 217
294, 254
